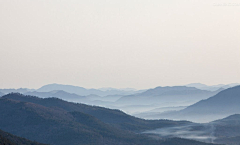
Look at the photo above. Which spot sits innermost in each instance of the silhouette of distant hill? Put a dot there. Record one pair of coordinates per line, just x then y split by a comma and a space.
212, 88
167, 96
58, 94
84, 92
21, 90
90, 99
223, 104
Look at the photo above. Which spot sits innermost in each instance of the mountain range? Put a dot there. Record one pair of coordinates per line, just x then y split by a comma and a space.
223, 104
128, 100
84, 92
53, 118
57, 122
212, 88
139, 102
167, 96
20, 90
58, 94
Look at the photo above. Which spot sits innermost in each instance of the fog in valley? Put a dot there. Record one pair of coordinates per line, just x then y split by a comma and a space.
119, 72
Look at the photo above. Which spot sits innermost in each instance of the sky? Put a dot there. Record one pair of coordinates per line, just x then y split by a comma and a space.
119, 43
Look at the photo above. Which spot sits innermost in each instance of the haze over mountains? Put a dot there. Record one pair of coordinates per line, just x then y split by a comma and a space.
84, 92
223, 104
106, 91
20, 90
128, 100
167, 95
212, 88
123, 99
49, 116
163, 97
55, 121
223, 131
119, 72
58, 94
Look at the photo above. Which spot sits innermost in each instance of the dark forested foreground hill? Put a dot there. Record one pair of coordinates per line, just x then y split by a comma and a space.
54, 121
9, 139
116, 118
178, 141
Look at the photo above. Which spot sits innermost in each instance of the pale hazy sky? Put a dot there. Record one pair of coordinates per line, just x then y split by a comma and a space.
119, 43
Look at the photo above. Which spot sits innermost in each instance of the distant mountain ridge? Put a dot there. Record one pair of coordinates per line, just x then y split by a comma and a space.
161, 95
58, 94
20, 90
83, 91
128, 100
212, 88
174, 90
223, 104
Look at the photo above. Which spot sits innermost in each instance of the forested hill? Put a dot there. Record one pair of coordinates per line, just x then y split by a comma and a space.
9, 139
114, 117
57, 122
